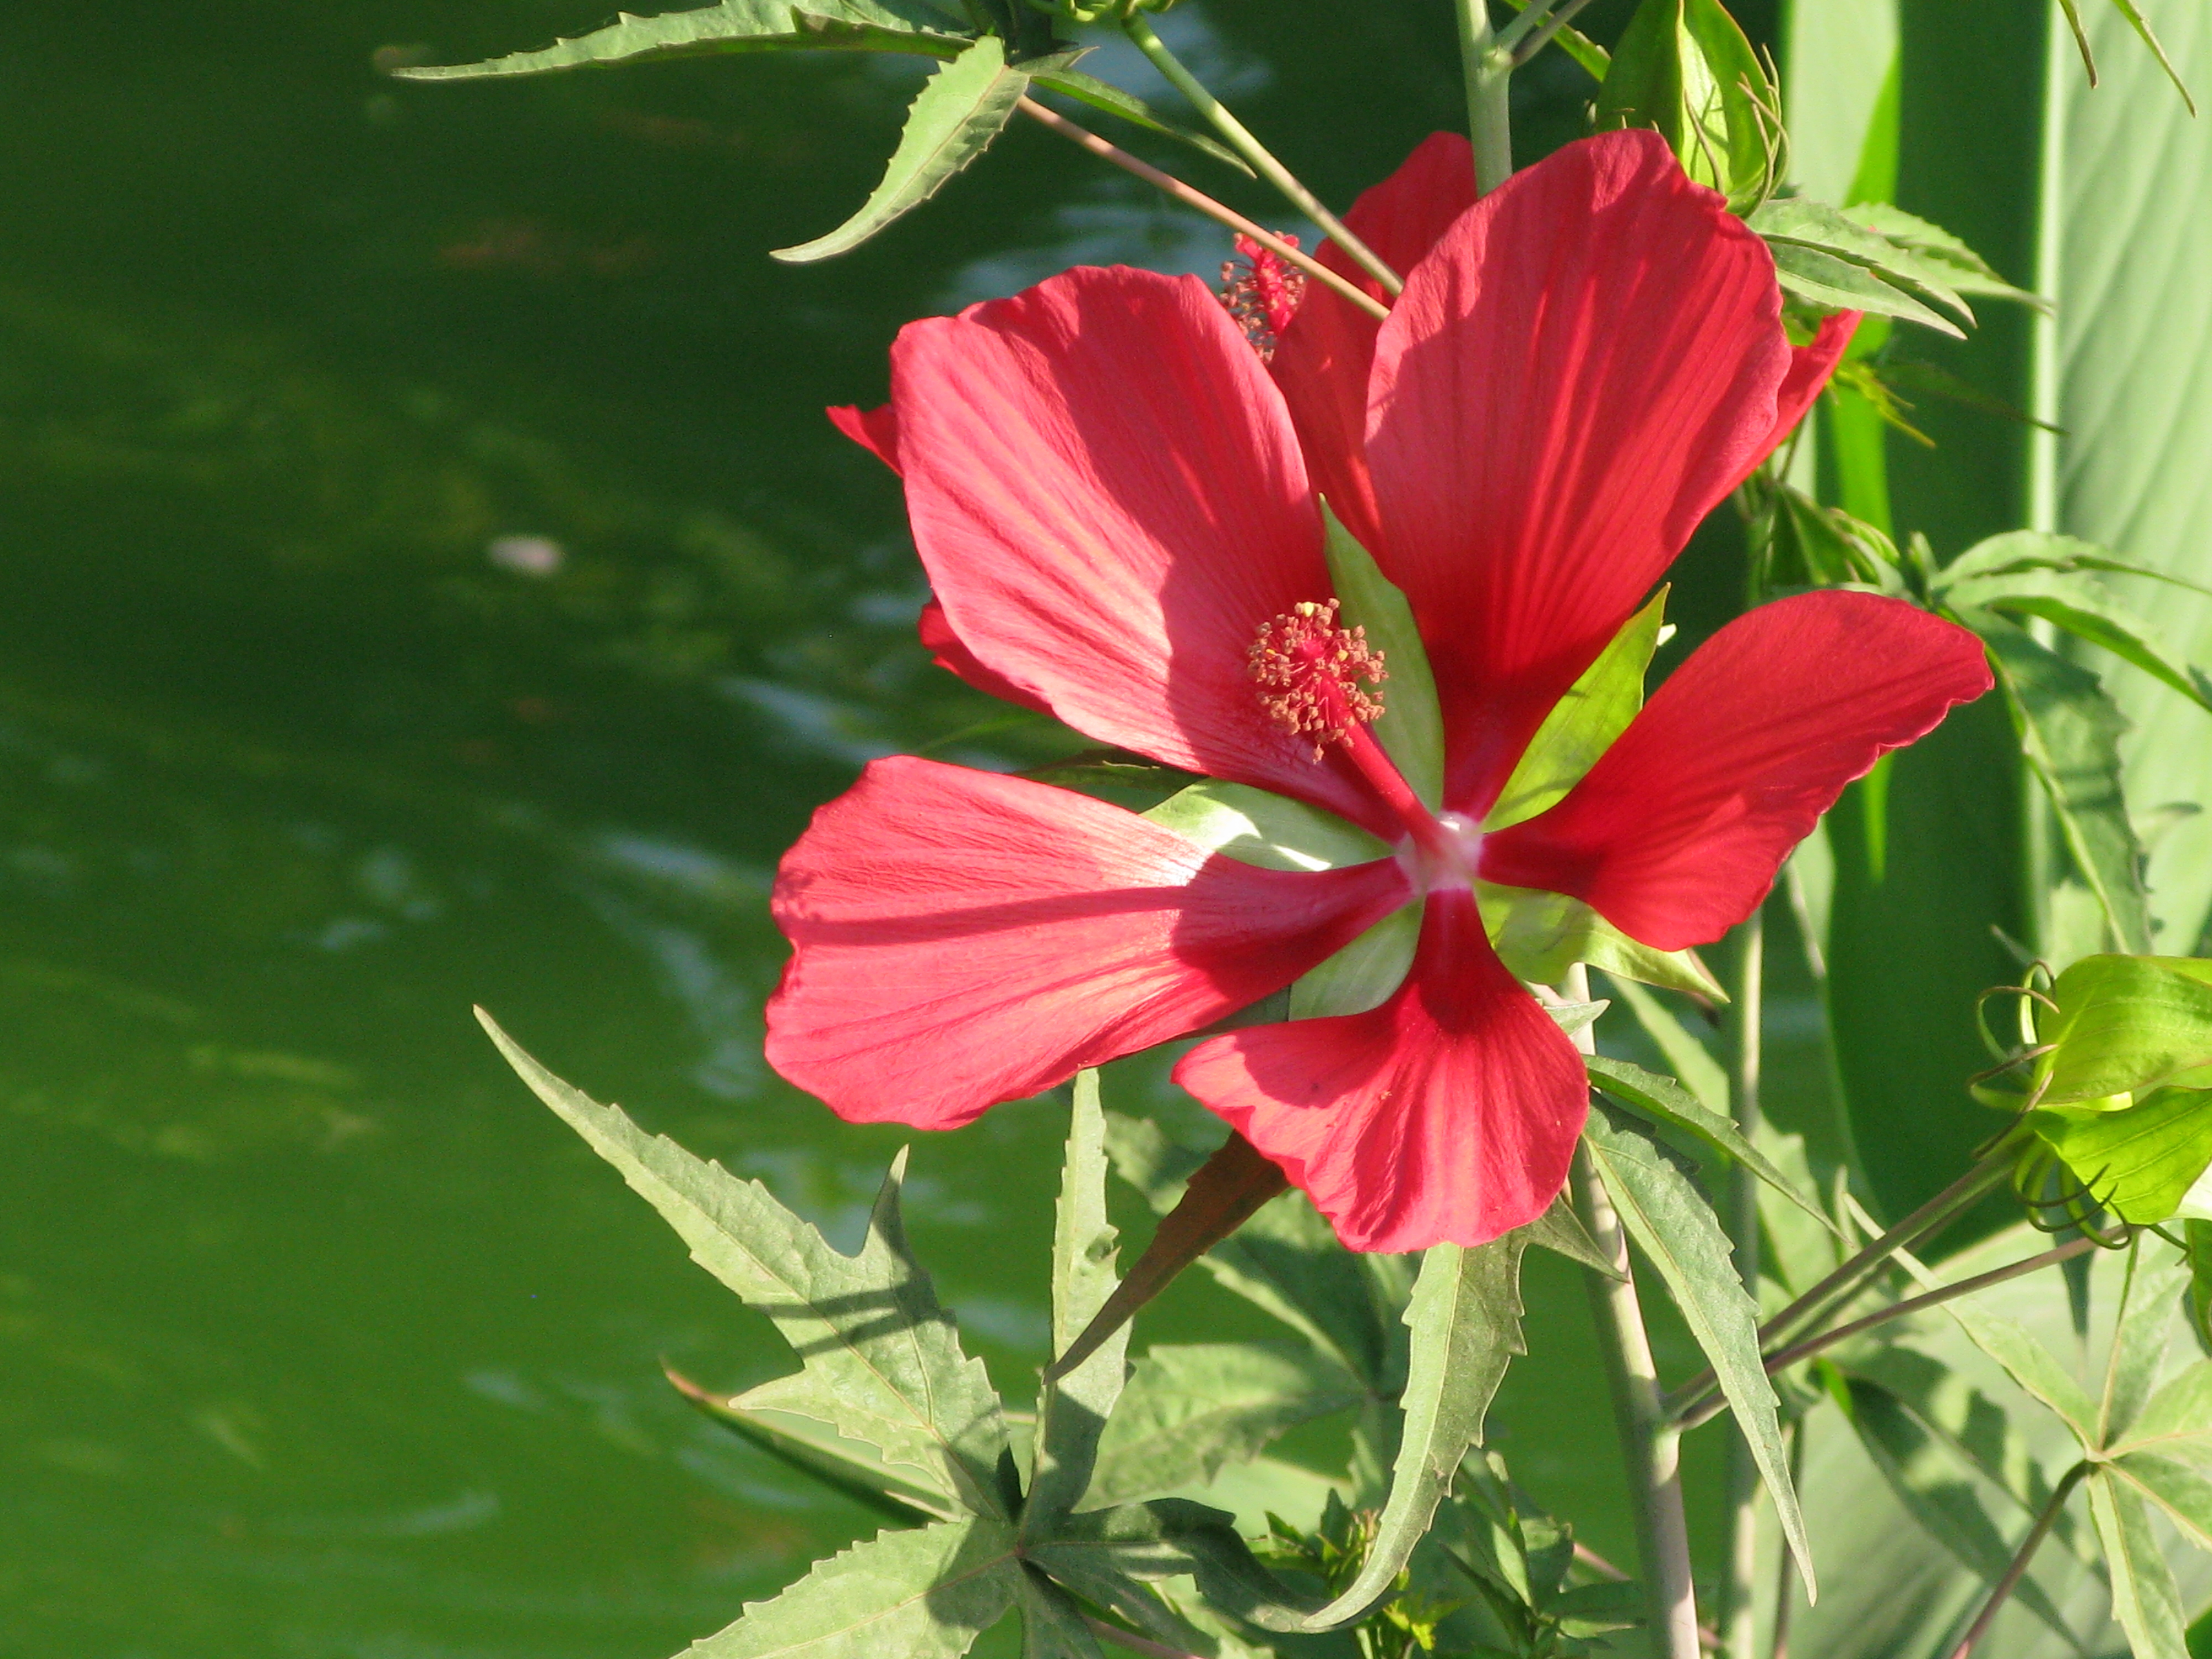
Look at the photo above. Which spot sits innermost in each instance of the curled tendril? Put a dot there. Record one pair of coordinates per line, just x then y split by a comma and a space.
2058, 1200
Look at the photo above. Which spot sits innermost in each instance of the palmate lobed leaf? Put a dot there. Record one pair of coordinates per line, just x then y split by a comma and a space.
2145, 1598
1675, 1228
926, 1593
733, 26
883, 1364
962, 108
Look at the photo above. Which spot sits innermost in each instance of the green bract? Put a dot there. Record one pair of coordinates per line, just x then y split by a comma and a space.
1685, 68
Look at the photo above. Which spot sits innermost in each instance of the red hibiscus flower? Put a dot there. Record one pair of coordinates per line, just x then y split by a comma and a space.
1115, 501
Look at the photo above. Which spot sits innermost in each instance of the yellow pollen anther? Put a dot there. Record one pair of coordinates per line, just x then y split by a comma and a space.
1310, 672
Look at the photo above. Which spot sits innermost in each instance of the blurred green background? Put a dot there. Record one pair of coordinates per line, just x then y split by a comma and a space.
427, 578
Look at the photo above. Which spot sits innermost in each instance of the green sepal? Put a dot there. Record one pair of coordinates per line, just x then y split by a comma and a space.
960, 109
1256, 826
2140, 1161
1685, 68
1365, 973
2125, 1024
910, 25
1584, 723
1539, 935
1412, 728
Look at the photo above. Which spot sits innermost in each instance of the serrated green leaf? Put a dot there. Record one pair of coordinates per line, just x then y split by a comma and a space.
2140, 1162
1675, 1228
1803, 223
2146, 1601
1104, 95
924, 1594
2126, 1023
1582, 725
1073, 1410
798, 1439
1096, 1552
1284, 1260
1560, 1230
1960, 265
733, 26
1052, 1624
1825, 280
1256, 826
1465, 1319
2029, 1363
1933, 1491
1539, 935
1188, 1411
883, 1364
2080, 604
2069, 732
1691, 1060
1412, 727
952, 120
1666, 1101
1577, 46
2185, 1493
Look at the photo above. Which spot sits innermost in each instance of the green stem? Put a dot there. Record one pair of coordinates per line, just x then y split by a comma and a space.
1650, 1446
2018, 1570
1263, 162
1739, 1596
1487, 60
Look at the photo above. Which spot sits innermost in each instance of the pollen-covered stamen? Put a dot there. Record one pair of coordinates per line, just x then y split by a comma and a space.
1261, 290
1311, 672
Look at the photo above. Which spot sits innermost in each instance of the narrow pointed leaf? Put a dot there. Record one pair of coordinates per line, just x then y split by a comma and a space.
1220, 1197
1799, 221
1465, 1317
1104, 95
1284, 1260
2077, 602
1693, 1063
1577, 46
1940, 1496
1071, 1412
2177, 1420
2141, 25
819, 1452
883, 1364
1096, 1551
1825, 280
1957, 264
2139, 1344
1597, 709
1675, 1228
2029, 1363
953, 119
2146, 1601
1191, 1410
2183, 1492
1412, 727
2070, 733
1561, 1230
733, 26
923, 1593
1665, 1101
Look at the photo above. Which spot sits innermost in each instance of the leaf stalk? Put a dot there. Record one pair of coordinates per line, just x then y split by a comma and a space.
1240, 139
1487, 61
1173, 187
1738, 1615
2018, 1570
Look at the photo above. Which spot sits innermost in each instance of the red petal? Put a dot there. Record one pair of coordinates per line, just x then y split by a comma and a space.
1322, 359
1585, 365
875, 430
1446, 1116
1111, 503
1675, 834
962, 938
1810, 365
946, 651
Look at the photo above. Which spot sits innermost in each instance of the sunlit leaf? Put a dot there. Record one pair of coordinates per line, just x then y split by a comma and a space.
1597, 709
1685, 68
2139, 1344
1800, 222
2084, 607
2183, 1492
923, 1593
1840, 285
1675, 1228
1665, 1101
1104, 95
1539, 935
799, 1440
883, 1364
2139, 1162
2146, 1601
1560, 1230
1073, 1410
2124, 1024
1951, 259
1256, 826
1465, 1318
733, 26
958, 111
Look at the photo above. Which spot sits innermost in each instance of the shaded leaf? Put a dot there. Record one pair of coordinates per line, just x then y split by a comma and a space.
1685, 68
733, 26
2070, 733
952, 120
818, 1451
1097, 1553
1052, 1624
1465, 1320
1675, 1228
1936, 1493
2145, 1600
1363, 975
1073, 1410
1667, 1101
2139, 1344
1190, 1410
1256, 826
2029, 1363
883, 1364
924, 1594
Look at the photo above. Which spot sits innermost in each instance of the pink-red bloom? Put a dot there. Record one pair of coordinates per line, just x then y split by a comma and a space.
1115, 501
